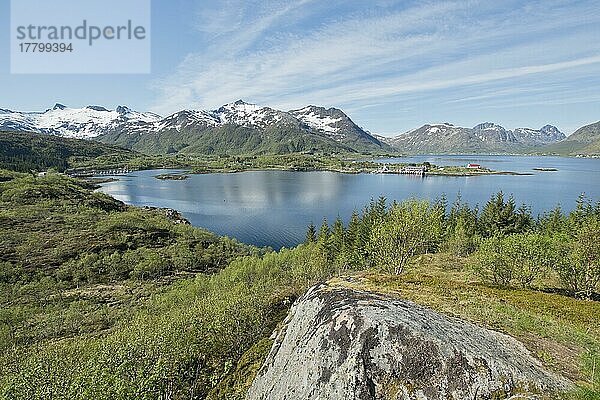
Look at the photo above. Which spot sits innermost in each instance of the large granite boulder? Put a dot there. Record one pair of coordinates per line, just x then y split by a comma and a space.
340, 343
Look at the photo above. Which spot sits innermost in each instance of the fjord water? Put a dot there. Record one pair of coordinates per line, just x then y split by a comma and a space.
273, 208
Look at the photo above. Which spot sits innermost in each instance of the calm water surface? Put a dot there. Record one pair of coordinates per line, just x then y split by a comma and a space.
273, 208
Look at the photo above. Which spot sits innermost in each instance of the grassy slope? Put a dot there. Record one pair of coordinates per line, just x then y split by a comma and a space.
22, 151
112, 335
75, 262
573, 147
184, 341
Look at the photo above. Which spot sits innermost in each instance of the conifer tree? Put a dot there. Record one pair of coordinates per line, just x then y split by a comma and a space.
311, 234
338, 238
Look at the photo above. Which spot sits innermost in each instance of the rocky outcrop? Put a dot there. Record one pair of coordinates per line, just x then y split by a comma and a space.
339, 343
173, 215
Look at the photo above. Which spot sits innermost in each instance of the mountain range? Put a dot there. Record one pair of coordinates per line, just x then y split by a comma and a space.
236, 127
77, 123
240, 127
484, 137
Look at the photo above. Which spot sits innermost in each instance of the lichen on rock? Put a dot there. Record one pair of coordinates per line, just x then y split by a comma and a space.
340, 343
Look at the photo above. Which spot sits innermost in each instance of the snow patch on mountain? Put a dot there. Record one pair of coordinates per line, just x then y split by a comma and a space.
184, 119
249, 115
316, 120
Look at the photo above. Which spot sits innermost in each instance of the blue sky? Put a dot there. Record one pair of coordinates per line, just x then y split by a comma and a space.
391, 65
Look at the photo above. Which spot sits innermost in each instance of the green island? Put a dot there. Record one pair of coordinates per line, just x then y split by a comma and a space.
333, 163
103, 300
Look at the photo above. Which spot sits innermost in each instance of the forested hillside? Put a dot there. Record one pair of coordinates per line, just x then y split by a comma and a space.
21, 151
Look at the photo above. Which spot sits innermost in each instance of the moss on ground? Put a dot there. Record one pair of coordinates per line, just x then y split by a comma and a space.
236, 384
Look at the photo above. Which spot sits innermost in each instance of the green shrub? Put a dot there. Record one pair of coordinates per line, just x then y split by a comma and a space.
518, 257
182, 344
409, 228
578, 263
490, 264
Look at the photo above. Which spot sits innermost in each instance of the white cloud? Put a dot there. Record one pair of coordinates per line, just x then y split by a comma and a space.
396, 86
375, 56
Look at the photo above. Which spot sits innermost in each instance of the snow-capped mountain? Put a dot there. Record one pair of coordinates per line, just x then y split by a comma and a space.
243, 124
251, 115
182, 120
333, 123
544, 135
98, 122
236, 113
80, 123
321, 119
484, 137
16, 121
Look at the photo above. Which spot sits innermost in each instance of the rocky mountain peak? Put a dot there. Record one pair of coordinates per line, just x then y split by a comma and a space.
326, 120
488, 126
482, 138
123, 110
240, 105
546, 134
553, 131
319, 110
59, 106
96, 108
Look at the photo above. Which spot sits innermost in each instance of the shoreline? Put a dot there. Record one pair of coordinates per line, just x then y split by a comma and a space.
346, 172
185, 172
307, 163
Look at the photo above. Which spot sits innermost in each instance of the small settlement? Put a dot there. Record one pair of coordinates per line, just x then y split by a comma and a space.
419, 170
